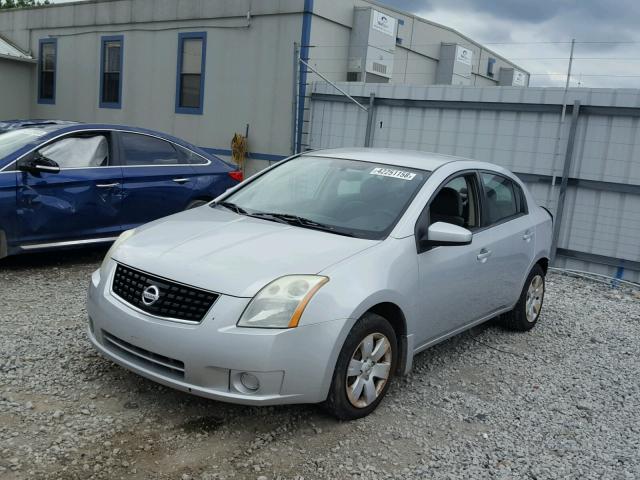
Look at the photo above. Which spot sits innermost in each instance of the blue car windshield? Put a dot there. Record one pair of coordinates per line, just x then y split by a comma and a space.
345, 197
14, 140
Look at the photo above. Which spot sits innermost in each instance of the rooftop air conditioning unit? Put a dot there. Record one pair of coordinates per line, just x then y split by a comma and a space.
373, 46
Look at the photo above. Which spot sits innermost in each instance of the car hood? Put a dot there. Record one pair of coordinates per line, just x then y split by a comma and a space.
232, 254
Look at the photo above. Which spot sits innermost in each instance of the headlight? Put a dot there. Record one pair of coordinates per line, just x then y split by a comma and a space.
280, 304
123, 236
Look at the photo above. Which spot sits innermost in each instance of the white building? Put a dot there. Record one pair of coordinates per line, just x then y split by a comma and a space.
205, 69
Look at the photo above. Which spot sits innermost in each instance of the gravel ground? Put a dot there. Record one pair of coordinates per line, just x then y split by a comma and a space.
562, 401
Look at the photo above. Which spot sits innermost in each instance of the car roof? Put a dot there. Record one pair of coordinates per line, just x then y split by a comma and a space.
32, 123
390, 156
55, 128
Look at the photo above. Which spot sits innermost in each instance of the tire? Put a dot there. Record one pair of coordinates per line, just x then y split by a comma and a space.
526, 313
349, 406
196, 203
4, 247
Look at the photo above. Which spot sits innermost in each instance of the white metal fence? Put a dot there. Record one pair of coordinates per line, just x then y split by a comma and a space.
583, 165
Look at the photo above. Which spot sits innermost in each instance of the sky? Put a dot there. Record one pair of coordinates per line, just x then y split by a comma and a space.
536, 35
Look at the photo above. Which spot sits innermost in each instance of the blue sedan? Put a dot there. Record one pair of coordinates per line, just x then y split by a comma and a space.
65, 184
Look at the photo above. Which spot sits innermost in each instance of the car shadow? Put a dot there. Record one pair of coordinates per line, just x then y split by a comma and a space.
57, 258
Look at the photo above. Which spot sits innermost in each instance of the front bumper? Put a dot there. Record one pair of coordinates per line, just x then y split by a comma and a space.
207, 359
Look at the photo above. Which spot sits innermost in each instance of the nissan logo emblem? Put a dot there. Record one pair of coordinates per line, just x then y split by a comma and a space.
150, 295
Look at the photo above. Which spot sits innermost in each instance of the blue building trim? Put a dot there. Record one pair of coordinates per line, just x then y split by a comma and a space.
181, 38
41, 42
251, 156
103, 41
305, 39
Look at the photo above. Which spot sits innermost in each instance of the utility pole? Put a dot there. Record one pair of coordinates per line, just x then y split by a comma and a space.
566, 87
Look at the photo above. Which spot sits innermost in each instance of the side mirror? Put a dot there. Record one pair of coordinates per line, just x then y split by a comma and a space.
446, 234
39, 163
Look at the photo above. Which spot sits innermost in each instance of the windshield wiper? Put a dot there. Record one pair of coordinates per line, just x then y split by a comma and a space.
300, 221
233, 207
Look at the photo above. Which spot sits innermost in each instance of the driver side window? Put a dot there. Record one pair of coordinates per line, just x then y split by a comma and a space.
457, 203
79, 152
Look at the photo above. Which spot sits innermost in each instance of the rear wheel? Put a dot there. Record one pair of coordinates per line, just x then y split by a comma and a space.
196, 203
364, 369
527, 311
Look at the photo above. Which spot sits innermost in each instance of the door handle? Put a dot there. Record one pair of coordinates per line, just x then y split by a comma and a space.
107, 185
527, 236
484, 255
181, 180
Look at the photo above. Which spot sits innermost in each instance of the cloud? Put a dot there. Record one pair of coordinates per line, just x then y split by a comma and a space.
536, 34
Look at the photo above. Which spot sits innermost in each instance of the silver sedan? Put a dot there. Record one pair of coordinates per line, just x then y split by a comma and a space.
319, 279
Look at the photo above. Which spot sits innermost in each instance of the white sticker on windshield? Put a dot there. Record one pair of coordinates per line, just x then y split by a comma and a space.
390, 172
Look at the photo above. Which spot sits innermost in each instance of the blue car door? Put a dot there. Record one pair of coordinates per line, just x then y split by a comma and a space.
80, 202
156, 181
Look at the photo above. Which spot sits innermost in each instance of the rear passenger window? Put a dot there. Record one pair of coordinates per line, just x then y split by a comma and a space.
145, 150
503, 196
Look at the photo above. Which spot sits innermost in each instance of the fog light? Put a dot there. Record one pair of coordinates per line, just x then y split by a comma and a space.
249, 381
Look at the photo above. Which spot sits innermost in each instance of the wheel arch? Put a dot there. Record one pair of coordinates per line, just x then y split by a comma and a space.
204, 198
544, 264
391, 312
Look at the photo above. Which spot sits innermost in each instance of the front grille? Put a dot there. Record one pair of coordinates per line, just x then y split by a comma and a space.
165, 365
176, 301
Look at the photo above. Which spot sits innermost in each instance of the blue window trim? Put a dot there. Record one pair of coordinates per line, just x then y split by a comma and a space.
181, 38
103, 41
41, 42
305, 39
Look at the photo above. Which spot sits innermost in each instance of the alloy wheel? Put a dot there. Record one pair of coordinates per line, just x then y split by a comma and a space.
535, 294
369, 370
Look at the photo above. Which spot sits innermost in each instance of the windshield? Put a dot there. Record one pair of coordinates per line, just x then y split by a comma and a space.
347, 197
14, 140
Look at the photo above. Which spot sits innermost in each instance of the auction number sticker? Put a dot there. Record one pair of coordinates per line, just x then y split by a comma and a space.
390, 172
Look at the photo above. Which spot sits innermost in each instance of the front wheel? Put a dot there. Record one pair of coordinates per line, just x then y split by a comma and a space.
527, 311
364, 368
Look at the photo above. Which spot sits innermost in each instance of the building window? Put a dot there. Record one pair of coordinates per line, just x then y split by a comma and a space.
490, 64
192, 48
47, 70
111, 72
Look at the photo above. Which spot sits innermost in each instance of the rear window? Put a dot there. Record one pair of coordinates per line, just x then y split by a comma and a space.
504, 198
187, 156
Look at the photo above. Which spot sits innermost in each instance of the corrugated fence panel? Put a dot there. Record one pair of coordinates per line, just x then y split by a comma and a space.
520, 129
